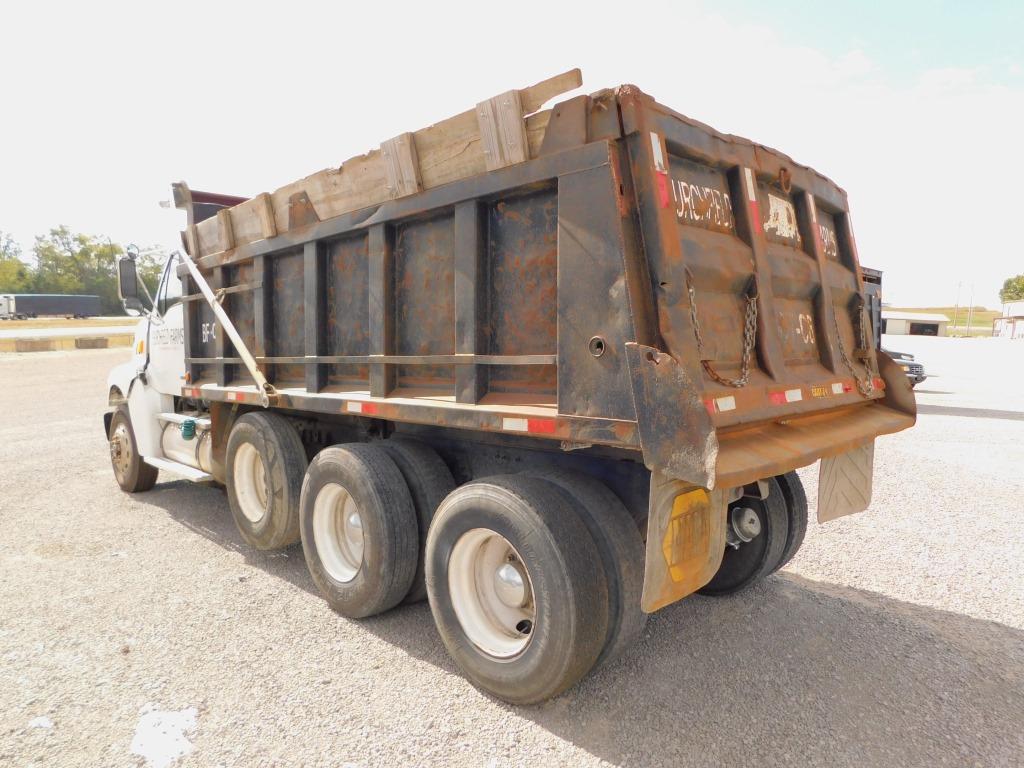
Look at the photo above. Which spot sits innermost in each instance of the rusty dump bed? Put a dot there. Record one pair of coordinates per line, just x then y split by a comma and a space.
639, 281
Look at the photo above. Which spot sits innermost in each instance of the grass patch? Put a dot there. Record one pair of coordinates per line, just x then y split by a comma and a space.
60, 322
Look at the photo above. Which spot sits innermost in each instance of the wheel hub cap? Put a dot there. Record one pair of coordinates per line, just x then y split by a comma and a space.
491, 593
510, 586
745, 523
338, 532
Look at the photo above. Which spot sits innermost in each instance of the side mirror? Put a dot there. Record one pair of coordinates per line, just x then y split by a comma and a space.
128, 286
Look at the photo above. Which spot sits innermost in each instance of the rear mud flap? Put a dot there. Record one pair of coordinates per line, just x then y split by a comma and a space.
844, 483
685, 540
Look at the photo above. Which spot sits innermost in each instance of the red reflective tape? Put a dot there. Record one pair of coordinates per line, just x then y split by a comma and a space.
778, 398
545, 426
369, 408
710, 405
879, 384
755, 215
662, 182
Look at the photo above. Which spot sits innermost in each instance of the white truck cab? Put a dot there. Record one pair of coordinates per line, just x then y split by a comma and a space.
144, 388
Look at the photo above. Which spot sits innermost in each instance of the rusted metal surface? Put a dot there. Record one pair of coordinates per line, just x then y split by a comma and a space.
676, 432
576, 286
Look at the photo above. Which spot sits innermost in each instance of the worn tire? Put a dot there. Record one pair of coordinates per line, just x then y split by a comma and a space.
265, 501
796, 508
569, 598
622, 553
134, 475
389, 543
429, 481
759, 557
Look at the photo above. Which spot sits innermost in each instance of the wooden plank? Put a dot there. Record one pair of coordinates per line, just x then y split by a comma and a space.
265, 212
227, 232
536, 96
502, 130
401, 166
446, 151
192, 240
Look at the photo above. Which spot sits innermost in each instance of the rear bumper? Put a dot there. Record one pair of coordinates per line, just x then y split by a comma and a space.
773, 448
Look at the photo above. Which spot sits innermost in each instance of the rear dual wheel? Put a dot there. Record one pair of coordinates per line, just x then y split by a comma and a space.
516, 587
359, 529
764, 535
265, 461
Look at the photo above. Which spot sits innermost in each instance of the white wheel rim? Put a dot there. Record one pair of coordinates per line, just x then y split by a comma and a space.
121, 451
492, 593
250, 477
338, 532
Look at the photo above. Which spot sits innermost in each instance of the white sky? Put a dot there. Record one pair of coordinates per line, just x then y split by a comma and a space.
100, 109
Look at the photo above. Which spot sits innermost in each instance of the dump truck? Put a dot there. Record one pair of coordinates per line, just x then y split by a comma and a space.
550, 370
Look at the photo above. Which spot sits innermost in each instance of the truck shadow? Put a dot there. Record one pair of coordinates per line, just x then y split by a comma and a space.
791, 672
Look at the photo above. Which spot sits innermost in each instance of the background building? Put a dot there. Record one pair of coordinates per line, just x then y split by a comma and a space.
913, 323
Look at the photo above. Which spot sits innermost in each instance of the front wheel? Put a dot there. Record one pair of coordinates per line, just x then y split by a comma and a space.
132, 473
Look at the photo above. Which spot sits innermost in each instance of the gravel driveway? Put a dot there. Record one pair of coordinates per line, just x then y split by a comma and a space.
136, 629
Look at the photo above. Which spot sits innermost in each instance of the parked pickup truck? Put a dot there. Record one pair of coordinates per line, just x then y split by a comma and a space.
914, 370
549, 370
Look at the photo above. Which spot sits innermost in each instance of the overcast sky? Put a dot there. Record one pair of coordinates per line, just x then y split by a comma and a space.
915, 108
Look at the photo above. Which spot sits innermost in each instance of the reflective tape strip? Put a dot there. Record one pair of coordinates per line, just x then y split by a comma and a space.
367, 409
838, 388
751, 189
725, 403
720, 404
659, 156
537, 426
788, 396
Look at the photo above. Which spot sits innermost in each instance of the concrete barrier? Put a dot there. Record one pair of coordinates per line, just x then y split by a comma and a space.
62, 343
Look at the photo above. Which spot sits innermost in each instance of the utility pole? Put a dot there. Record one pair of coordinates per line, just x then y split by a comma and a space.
970, 311
956, 309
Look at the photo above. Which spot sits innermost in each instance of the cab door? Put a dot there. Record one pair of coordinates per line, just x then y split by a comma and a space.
166, 369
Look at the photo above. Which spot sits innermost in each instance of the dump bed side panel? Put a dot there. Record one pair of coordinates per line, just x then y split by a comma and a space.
458, 305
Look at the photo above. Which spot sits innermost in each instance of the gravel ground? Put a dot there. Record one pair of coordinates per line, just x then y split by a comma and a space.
895, 637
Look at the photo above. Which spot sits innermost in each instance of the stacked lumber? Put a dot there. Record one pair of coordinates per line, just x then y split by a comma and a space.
498, 132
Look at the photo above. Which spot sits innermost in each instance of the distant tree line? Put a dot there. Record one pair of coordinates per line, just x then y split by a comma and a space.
63, 261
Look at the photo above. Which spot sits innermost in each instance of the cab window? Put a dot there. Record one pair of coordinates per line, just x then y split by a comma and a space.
170, 287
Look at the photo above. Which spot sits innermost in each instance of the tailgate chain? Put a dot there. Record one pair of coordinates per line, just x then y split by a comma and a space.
749, 335
865, 386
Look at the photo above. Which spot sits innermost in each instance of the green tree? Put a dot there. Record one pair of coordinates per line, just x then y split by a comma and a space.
1013, 289
69, 262
15, 276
